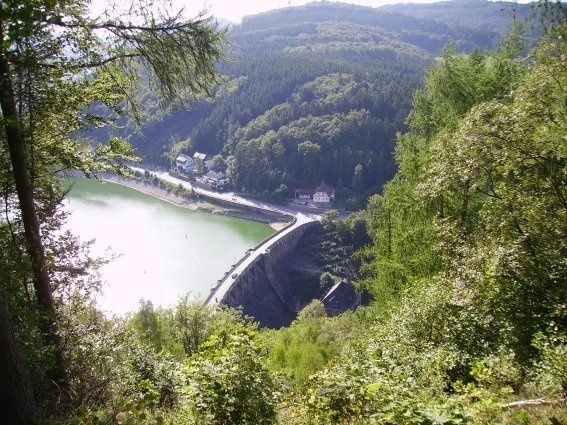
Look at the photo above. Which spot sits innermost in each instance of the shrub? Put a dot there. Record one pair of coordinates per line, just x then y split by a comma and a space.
228, 383
337, 395
550, 372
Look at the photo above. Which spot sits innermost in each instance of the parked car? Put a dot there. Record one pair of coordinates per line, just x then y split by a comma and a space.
235, 275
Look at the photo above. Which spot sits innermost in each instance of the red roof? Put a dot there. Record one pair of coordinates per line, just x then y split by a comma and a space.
324, 188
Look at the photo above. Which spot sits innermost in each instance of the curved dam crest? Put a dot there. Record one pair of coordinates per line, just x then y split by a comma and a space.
259, 283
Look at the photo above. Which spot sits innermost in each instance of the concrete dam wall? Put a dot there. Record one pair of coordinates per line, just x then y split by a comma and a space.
262, 287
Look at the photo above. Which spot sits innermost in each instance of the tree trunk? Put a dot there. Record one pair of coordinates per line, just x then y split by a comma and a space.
35, 249
16, 401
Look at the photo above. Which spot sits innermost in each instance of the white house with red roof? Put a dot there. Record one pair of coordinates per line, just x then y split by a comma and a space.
323, 194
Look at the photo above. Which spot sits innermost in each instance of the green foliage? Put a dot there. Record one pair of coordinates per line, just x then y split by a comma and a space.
397, 385
193, 323
179, 331
283, 156
319, 71
550, 371
177, 147
337, 395
228, 383
302, 350
329, 218
352, 231
326, 280
219, 163
132, 371
468, 253
156, 379
467, 248
466, 260
61, 78
499, 176
322, 68
403, 220
311, 342
115, 377
147, 324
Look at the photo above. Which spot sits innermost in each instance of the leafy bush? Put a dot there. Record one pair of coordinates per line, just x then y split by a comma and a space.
382, 387
314, 309
310, 343
550, 372
192, 322
156, 378
228, 383
339, 394
180, 330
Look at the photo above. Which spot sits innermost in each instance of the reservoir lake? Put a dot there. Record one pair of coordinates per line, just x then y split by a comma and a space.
165, 251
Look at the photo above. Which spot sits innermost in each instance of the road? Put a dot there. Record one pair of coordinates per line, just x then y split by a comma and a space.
231, 196
225, 283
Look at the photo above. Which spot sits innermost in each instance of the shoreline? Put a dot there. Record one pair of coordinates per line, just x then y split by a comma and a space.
180, 201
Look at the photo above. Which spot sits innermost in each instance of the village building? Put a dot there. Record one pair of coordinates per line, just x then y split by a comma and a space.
323, 194
184, 163
199, 160
215, 179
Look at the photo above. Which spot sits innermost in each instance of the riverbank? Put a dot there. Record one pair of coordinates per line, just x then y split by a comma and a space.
171, 197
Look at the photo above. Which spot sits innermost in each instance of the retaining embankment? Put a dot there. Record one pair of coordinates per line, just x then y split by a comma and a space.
277, 216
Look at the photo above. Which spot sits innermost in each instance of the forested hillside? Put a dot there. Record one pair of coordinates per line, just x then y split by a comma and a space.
483, 15
464, 251
466, 265
316, 93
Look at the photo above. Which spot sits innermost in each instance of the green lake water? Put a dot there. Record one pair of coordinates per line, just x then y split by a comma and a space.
165, 250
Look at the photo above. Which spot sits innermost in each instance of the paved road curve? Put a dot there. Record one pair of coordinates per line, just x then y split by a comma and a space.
230, 196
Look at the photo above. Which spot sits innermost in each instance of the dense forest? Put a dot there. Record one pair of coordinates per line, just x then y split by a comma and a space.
464, 251
317, 93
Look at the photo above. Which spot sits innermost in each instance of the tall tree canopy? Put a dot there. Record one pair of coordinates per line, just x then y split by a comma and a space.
477, 210
58, 67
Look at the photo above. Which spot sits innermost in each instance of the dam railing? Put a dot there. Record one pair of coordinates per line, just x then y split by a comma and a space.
247, 255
